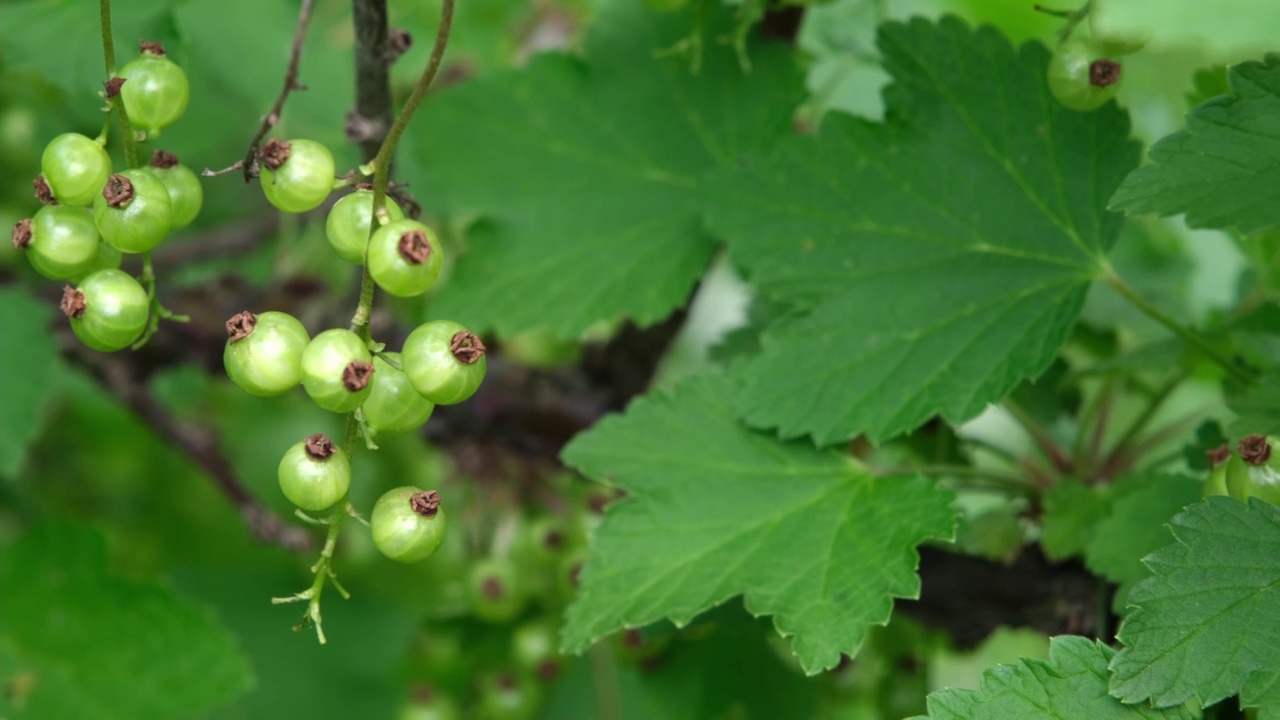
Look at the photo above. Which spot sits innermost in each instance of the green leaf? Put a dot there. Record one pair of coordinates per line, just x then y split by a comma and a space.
1072, 511
32, 376
1217, 170
1071, 686
714, 509
85, 644
1137, 525
1257, 406
592, 196
943, 255
1208, 618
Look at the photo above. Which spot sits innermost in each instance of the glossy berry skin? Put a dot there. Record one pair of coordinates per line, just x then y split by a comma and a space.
1216, 482
302, 179
133, 211
186, 195
429, 704
336, 370
445, 363
1081, 77
108, 310
76, 168
263, 355
408, 524
509, 695
548, 539
393, 406
107, 258
60, 241
155, 92
405, 258
494, 590
1252, 471
315, 473
347, 225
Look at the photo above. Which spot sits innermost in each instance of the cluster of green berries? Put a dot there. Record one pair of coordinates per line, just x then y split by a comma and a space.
132, 210
1084, 73
441, 362
1252, 471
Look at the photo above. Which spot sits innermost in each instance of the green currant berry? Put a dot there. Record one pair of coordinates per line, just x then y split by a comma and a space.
1260, 478
155, 92
1081, 77
61, 242
408, 524
107, 258
1216, 482
539, 348
336, 370
1114, 44
494, 590
533, 648
405, 258
264, 352
347, 226
133, 212
75, 168
444, 362
641, 645
297, 175
509, 695
314, 474
186, 196
428, 704
1237, 478
108, 310
548, 538
393, 406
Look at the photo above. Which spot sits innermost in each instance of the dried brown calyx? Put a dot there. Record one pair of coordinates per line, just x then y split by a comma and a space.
553, 540
356, 375
240, 325
415, 248
320, 447
44, 193
111, 88
426, 503
492, 588
118, 191
466, 347
151, 47
22, 234
1219, 455
1103, 72
72, 302
275, 153
1254, 449
163, 159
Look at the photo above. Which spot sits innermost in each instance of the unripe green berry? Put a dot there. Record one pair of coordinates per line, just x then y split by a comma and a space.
444, 361
315, 473
337, 368
263, 355
108, 310
408, 524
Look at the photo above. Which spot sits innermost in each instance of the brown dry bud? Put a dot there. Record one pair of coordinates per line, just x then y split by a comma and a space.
22, 234
240, 325
466, 347
72, 302
44, 193
118, 191
426, 504
492, 588
320, 447
1219, 455
151, 47
275, 153
111, 88
414, 247
1103, 72
548, 670
554, 539
356, 376
1254, 449
398, 42
163, 159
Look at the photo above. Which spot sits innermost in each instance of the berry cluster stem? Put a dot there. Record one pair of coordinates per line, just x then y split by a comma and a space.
109, 59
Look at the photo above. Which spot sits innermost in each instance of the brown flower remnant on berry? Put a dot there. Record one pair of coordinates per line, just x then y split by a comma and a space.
320, 447
111, 88
1254, 449
275, 153
426, 504
356, 376
492, 588
1219, 455
22, 234
240, 325
1103, 72
44, 193
151, 47
162, 159
72, 302
506, 681
553, 540
466, 347
632, 638
414, 247
548, 670
118, 191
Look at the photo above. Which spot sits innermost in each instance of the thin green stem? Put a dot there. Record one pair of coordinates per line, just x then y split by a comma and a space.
1157, 400
1072, 17
994, 478
1050, 447
109, 59
1190, 336
158, 312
